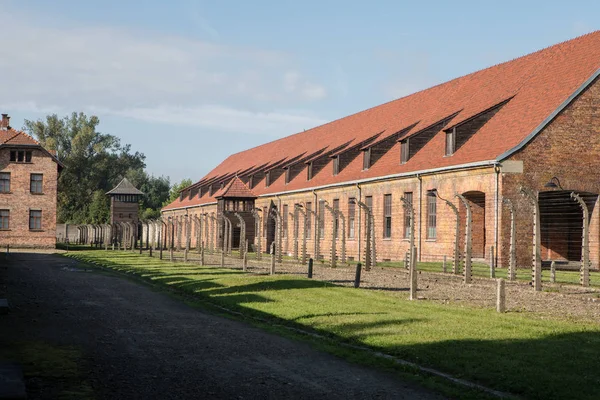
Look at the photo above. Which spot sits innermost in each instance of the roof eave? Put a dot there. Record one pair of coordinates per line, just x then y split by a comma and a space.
549, 119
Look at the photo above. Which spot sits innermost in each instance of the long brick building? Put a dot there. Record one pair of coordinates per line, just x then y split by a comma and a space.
28, 190
532, 122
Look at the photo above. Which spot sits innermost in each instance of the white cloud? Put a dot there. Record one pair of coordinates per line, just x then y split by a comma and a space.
293, 82
141, 74
227, 119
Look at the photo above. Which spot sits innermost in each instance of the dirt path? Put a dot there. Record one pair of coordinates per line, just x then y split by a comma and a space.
141, 344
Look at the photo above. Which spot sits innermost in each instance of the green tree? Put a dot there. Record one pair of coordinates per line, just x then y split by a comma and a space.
99, 210
175, 189
156, 192
94, 162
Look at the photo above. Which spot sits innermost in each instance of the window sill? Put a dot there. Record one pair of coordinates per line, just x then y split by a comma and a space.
20, 162
5, 230
37, 230
431, 240
387, 239
6, 192
36, 193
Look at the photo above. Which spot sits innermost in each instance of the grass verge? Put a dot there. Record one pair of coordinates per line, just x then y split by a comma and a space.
521, 354
50, 371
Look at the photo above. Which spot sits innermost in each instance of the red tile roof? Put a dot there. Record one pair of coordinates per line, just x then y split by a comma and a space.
235, 188
536, 84
12, 136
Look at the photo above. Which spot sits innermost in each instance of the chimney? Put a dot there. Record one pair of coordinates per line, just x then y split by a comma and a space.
4, 124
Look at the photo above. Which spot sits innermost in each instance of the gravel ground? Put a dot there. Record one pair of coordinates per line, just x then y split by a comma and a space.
555, 300
141, 344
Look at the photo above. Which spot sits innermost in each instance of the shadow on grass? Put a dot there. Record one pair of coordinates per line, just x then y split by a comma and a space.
559, 366
283, 284
555, 366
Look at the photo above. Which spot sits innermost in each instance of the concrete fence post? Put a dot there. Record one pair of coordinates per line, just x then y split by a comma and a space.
357, 275
273, 256
257, 236
501, 296
444, 265
492, 263
536, 268
408, 207
512, 263
584, 272
553, 271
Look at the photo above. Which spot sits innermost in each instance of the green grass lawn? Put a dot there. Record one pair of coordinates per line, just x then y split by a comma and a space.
523, 354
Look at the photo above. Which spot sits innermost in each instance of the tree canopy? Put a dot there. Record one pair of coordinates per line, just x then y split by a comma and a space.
94, 163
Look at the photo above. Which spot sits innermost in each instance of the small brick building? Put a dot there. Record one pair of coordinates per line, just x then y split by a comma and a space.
28, 190
532, 122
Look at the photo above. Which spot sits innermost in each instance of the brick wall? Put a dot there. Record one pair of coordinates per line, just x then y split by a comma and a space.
20, 201
568, 148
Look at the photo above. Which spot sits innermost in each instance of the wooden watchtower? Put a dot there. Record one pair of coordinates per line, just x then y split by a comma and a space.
124, 202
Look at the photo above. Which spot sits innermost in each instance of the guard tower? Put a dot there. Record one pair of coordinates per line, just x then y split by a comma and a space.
124, 199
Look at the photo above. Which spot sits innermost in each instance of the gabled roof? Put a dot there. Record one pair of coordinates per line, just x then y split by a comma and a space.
235, 188
13, 137
537, 85
125, 187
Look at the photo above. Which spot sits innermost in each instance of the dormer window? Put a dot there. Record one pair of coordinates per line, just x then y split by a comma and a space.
268, 179
366, 159
451, 142
251, 181
287, 175
222, 185
336, 165
404, 151
309, 170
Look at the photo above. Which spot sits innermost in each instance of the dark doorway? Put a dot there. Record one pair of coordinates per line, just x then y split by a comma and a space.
476, 202
271, 227
561, 224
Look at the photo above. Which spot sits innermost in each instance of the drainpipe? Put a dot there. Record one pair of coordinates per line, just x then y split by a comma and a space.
496, 211
356, 207
420, 178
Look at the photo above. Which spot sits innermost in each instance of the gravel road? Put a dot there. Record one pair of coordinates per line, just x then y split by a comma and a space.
142, 344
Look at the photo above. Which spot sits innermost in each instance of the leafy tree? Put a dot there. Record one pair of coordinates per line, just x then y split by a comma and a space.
156, 192
94, 162
99, 210
175, 189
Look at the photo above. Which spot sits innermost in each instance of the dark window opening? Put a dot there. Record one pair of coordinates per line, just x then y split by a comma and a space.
336, 165
35, 219
404, 151
321, 218
4, 219
35, 184
387, 216
366, 158
4, 182
351, 216
408, 196
450, 142
431, 217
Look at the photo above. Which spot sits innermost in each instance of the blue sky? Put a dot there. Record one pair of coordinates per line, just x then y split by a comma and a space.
190, 82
